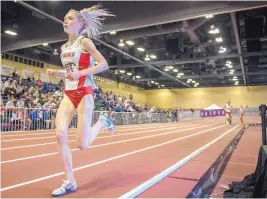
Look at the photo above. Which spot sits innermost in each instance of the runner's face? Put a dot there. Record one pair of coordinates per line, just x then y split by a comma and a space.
71, 23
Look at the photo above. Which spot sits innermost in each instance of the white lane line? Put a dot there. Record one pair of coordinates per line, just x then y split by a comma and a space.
154, 180
73, 131
122, 127
47, 137
103, 161
100, 137
106, 144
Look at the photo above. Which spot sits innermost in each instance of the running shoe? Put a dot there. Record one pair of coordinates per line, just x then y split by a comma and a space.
108, 124
67, 187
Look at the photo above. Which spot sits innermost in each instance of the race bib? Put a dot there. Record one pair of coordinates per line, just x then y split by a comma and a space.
71, 85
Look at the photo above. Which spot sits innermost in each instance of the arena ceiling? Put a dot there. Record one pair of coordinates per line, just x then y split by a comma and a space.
210, 43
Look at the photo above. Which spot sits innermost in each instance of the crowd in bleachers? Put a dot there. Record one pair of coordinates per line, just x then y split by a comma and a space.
42, 99
35, 102
17, 92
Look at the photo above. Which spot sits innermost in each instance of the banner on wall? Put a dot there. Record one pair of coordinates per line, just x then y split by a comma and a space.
44, 77
212, 111
27, 73
6, 70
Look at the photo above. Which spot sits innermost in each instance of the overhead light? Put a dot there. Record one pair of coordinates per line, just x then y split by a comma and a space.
129, 74
138, 77
147, 58
166, 69
178, 75
231, 73
193, 81
214, 31
189, 80
222, 49
235, 77
232, 70
45, 44
152, 82
141, 49
156, 83
181, 74
10, 32
121, 44
219, 39
197, 84
162, 85
112, 32
208, 16
228, 62
153, 56
170, 67
130, 43
175, 70
122, 71
230, 66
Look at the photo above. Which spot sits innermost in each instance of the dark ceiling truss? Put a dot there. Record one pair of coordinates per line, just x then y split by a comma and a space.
196, 53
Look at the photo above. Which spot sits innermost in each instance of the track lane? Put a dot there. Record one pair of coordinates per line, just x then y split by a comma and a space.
93, 154
111, 179
25, 151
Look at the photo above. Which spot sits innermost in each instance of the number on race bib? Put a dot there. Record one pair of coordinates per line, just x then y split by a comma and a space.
71, 67
71, 85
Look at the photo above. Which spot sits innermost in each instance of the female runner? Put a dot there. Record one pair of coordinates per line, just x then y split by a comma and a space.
77, 58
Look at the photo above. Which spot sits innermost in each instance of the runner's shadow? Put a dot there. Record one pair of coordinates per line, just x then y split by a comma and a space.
111, 180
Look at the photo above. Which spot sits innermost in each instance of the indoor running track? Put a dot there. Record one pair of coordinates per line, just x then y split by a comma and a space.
112, 166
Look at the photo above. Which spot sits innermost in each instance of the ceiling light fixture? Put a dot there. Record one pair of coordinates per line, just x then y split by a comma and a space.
208, 16
166, 69
219, 39
153, 56
222, 49
140, 49
10, 32
121, 44
130, 43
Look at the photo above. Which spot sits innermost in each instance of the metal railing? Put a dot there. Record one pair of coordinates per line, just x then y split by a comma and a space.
29, 119
26, 119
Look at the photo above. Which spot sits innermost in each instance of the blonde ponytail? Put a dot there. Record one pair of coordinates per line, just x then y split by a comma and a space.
92, 19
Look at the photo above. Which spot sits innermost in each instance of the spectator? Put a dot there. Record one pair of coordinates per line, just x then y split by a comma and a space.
10, 103
38, 82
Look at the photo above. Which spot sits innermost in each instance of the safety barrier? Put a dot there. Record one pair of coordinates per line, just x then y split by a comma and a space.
27, 119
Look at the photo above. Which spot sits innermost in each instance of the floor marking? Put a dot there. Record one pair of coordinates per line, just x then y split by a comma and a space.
106, 144
104, 161
101, 137
154, 180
